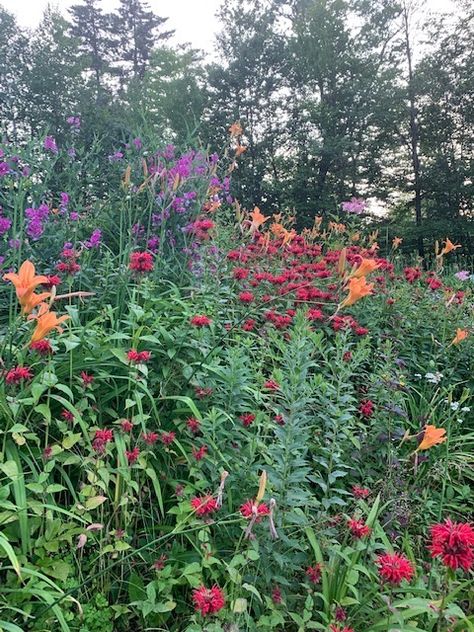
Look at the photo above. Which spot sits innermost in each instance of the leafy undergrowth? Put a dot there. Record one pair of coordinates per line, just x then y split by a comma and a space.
211, 422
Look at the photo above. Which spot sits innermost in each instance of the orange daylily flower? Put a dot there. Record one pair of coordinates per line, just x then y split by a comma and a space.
25, 282
448, 247
240, 150
358, 288
396, 241
257, 219
236, 129
433, 436
461, 334
341, 264
366, 266
46, 321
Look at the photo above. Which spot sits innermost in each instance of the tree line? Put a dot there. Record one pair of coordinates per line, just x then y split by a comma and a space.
337, 99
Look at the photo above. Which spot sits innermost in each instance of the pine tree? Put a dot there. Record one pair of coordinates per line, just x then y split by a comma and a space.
138, 31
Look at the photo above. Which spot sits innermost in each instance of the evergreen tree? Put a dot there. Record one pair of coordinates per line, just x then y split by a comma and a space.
138, 31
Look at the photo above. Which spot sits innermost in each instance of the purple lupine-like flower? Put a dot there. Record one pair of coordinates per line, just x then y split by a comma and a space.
4, 169
94, 240
74, 121
64, 200
5, 224
73, 216
462, 275
168, 152
36, 217
2, 261
14, 244
213, 158
50, 144
354, 205
138, 143
115, 157
71, 152
153, 243
25, 172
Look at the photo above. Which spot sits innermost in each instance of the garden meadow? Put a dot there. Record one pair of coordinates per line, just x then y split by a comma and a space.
234, 398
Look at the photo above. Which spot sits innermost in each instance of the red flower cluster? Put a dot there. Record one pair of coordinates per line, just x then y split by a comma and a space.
150, 438
193, 424
412, 274
167, 438
453, 542
132, 455
246, 297
248, 508
199, 453
43, 347
201, 227
138, 357
53, 280
360, 492
394, 568
204, 505
126, 425
366, 408
240, 273
200, 320
337, 628
358, 528
271, 385
141, 262
102, 438
247, 419
69, 265
86, 378
208, 600
313, 573
18, 374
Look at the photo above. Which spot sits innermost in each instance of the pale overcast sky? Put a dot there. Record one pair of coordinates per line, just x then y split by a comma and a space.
193, 20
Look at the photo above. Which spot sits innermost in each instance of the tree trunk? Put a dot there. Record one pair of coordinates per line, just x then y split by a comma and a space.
414, 132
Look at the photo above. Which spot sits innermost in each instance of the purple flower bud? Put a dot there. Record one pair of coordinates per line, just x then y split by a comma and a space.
50, 144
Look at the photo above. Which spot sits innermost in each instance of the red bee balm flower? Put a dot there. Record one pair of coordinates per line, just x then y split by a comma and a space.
358, 529
200, 453
246, 297
394, 568
150, 438
313, 573
86, 379
193, 425
247, 419
247, 509
360, 492
208, 600
43, 347
138, 357
132, 455
366, 408
141, 262
200, 320
204, 505
167, 437
18, 374
271, 385
453, 542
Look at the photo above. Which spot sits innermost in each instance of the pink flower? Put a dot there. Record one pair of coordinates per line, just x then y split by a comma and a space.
138, 357
314, 573
193, 424
360, 492
126, 425
366, 408
246, 297
271, 385
141, 262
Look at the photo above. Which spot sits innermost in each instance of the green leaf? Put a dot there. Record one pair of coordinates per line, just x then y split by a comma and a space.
95, 501
70, 440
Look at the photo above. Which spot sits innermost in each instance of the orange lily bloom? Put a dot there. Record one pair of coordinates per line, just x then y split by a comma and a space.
433, 436
236, 129
341, 264
448, 247
396, 241
461, 334
25, 282
46, 321
257, 219
358, 288
240, 150
366, 266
